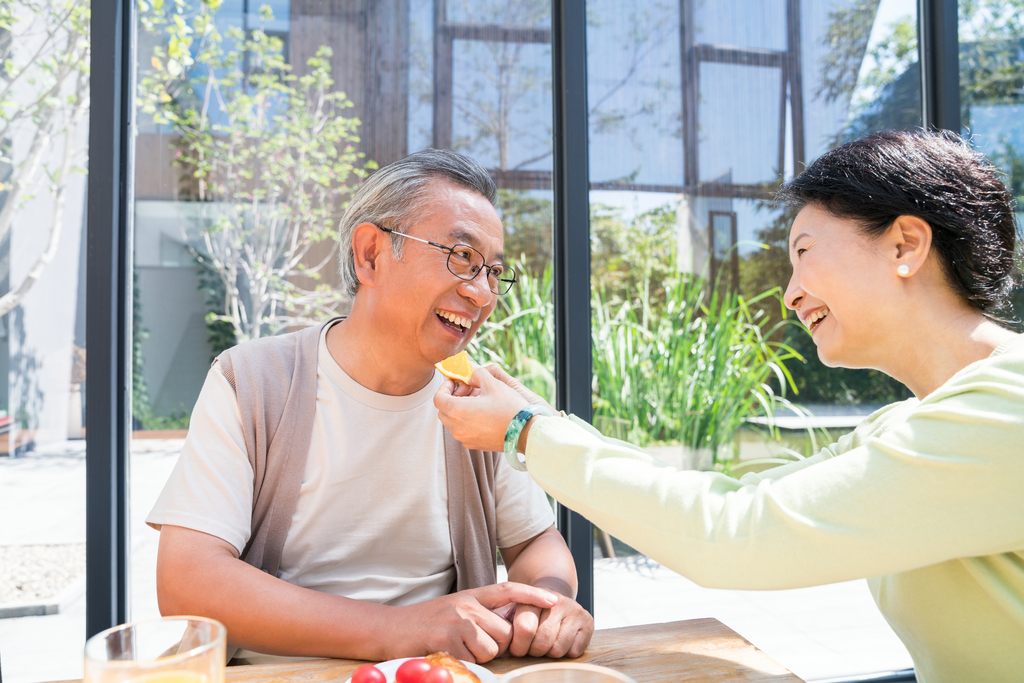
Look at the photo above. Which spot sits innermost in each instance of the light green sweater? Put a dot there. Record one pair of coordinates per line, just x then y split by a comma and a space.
925, 497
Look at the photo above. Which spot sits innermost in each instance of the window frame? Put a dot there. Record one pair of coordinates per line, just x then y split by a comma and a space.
108, 311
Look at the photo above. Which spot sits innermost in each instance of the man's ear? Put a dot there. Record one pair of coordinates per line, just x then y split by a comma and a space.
912, 243
367, 246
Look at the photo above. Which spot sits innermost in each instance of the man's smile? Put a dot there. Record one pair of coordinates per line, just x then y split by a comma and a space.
455, 322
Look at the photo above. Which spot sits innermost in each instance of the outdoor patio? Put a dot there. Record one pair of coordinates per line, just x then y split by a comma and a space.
818, 633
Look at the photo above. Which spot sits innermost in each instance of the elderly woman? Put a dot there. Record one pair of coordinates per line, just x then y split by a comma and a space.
902, 250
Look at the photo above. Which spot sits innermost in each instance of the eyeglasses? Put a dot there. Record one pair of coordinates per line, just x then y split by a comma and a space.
465, 263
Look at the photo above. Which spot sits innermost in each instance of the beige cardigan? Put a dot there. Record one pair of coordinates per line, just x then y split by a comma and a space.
274, 379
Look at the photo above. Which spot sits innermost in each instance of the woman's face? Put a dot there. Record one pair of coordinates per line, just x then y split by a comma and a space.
844, 288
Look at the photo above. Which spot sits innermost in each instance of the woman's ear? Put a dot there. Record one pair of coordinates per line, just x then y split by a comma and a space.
912, 243
366, 248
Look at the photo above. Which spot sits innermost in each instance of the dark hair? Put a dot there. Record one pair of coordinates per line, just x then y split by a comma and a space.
391, 198
935, 176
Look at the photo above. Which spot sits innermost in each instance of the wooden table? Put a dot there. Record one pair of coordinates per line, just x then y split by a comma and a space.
694, 651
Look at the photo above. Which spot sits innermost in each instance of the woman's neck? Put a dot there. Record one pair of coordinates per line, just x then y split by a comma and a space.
942, 346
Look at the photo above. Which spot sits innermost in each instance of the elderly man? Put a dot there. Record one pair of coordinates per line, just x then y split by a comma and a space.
318, 458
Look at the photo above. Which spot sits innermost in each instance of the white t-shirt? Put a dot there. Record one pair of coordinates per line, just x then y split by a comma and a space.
371, 521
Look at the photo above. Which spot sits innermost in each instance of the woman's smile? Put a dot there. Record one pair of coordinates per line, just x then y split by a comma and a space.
814, 318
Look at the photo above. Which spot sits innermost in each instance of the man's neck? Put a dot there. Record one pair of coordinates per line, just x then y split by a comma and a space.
364, 353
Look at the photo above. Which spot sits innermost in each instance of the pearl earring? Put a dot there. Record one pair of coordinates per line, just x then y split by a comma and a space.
903, 270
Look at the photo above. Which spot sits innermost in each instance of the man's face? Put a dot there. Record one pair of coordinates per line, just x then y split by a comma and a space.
430, 313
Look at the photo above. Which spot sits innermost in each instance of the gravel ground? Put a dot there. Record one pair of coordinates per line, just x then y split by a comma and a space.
35, 573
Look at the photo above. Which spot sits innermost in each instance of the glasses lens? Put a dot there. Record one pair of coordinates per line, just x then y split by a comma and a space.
505, 280
465, 263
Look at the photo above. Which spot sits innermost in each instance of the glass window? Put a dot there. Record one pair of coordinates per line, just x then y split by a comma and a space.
991, 103
215, 178
699, 111
760, 25
749, 102
44, 115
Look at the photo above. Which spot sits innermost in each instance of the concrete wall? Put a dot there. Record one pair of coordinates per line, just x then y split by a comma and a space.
41, 330
175, 354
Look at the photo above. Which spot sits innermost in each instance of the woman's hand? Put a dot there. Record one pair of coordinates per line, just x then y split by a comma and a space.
477, 414
508, 379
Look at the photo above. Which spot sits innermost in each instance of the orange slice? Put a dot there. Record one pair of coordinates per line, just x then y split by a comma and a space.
457, 367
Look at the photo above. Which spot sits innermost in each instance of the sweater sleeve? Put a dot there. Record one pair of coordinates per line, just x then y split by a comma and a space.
210, 488
942, 481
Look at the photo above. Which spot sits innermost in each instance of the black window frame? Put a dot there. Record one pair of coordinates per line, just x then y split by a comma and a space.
108, 311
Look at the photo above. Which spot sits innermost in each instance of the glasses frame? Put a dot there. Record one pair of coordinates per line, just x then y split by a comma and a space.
505, 270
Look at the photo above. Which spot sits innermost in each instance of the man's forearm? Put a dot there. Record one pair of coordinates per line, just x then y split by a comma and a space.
261, 612
200, 574
545, 562
564, 629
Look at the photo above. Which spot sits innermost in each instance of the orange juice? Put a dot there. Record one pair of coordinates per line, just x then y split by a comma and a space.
166, 650
172, 677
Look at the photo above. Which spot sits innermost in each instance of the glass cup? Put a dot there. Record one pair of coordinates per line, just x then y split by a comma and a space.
565, 672
169, 650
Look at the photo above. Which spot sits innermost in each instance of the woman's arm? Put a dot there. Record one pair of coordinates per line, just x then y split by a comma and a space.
929, 482
928, 489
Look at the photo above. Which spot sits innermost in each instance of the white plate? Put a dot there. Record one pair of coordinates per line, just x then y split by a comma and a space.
389, 668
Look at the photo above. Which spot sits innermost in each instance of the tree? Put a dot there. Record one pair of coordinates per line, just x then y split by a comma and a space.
502, 85
272, 160
527, 222
887, 94
499, 77
633, 261
991, 77
846, 42
44, 96
991, 39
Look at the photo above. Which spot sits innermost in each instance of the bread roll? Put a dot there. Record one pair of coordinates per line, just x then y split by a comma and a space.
458, 670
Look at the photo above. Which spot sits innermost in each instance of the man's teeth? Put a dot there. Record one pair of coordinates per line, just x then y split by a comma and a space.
815, 317
451, 317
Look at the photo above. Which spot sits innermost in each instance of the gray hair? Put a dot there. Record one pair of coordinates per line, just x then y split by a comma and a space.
392, 198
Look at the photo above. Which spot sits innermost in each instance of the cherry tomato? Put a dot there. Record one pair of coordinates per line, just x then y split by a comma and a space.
368, 673
437, 674
412, 671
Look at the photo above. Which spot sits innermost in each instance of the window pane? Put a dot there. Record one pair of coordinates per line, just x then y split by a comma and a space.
743, 24
42, 337
474, 77
502, 104
991, 83
746, 101
699, 111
